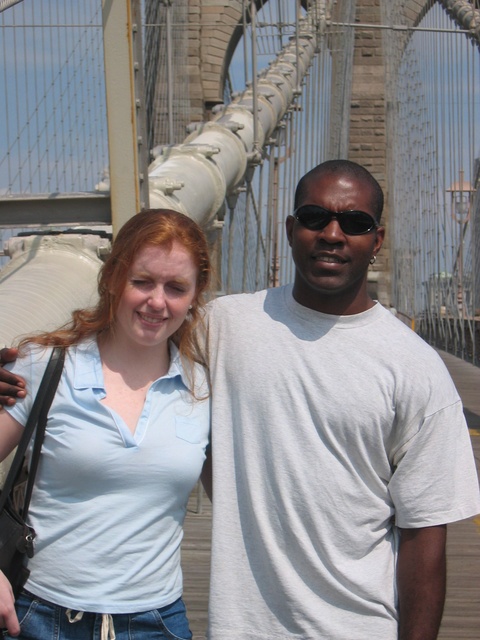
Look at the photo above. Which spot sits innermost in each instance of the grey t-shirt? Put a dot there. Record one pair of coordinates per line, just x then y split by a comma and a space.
325, 430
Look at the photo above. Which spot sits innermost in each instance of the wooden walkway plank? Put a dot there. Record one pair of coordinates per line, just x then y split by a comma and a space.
461, 620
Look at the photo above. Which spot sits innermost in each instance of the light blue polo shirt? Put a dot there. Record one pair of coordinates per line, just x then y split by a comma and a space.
108, 506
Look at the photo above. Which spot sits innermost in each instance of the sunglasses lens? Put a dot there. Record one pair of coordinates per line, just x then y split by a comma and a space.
313, 218
356, 222
353, 223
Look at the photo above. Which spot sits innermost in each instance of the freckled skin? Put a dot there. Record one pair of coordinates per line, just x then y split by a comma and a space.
331, 266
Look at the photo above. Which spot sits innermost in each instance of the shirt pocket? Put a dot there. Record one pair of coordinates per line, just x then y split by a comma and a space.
189, 430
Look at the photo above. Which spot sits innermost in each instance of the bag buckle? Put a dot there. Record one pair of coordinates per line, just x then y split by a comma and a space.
25, 544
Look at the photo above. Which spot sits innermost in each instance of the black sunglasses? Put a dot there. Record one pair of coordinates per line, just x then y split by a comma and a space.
353, 223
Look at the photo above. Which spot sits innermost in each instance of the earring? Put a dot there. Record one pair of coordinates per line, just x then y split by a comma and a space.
373, 259
190, 307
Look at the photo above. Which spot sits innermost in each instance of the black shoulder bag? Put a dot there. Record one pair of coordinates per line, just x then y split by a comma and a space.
16, 537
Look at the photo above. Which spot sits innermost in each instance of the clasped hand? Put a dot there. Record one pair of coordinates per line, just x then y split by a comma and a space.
11, 386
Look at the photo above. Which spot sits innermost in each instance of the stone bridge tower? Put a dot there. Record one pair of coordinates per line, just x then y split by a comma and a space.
214, 29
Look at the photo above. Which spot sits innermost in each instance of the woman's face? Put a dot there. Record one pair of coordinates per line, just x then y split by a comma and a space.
161, 286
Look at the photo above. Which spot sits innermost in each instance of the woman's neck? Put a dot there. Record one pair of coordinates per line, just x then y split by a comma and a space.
138, 365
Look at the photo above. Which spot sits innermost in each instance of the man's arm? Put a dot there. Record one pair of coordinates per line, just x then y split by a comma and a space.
421, 582
11, 386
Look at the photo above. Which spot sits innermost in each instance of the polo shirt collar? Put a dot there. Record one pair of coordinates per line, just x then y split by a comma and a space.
88, 366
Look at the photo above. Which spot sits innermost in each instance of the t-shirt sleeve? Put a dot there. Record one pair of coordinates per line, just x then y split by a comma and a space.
31, 368
436, 481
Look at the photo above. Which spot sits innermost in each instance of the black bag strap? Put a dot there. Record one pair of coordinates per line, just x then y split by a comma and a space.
38, 414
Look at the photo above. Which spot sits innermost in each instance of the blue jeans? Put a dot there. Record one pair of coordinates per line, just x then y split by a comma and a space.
42, 620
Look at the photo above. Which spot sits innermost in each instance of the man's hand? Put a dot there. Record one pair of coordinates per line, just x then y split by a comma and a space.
8, 616
11, 386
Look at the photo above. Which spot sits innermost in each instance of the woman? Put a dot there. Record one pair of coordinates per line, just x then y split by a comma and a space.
124, 445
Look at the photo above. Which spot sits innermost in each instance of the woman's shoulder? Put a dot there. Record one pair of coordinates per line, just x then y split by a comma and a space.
32, 357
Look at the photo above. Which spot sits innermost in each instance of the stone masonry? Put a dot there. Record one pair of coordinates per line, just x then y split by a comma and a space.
214, 30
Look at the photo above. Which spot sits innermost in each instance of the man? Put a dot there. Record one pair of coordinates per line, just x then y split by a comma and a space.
339, 443
340, 447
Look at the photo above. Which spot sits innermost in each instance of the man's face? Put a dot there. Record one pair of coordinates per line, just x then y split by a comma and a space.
331, 266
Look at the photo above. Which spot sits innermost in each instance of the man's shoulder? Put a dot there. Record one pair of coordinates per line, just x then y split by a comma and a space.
398, 330
407, 354
244, 309
235, 300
